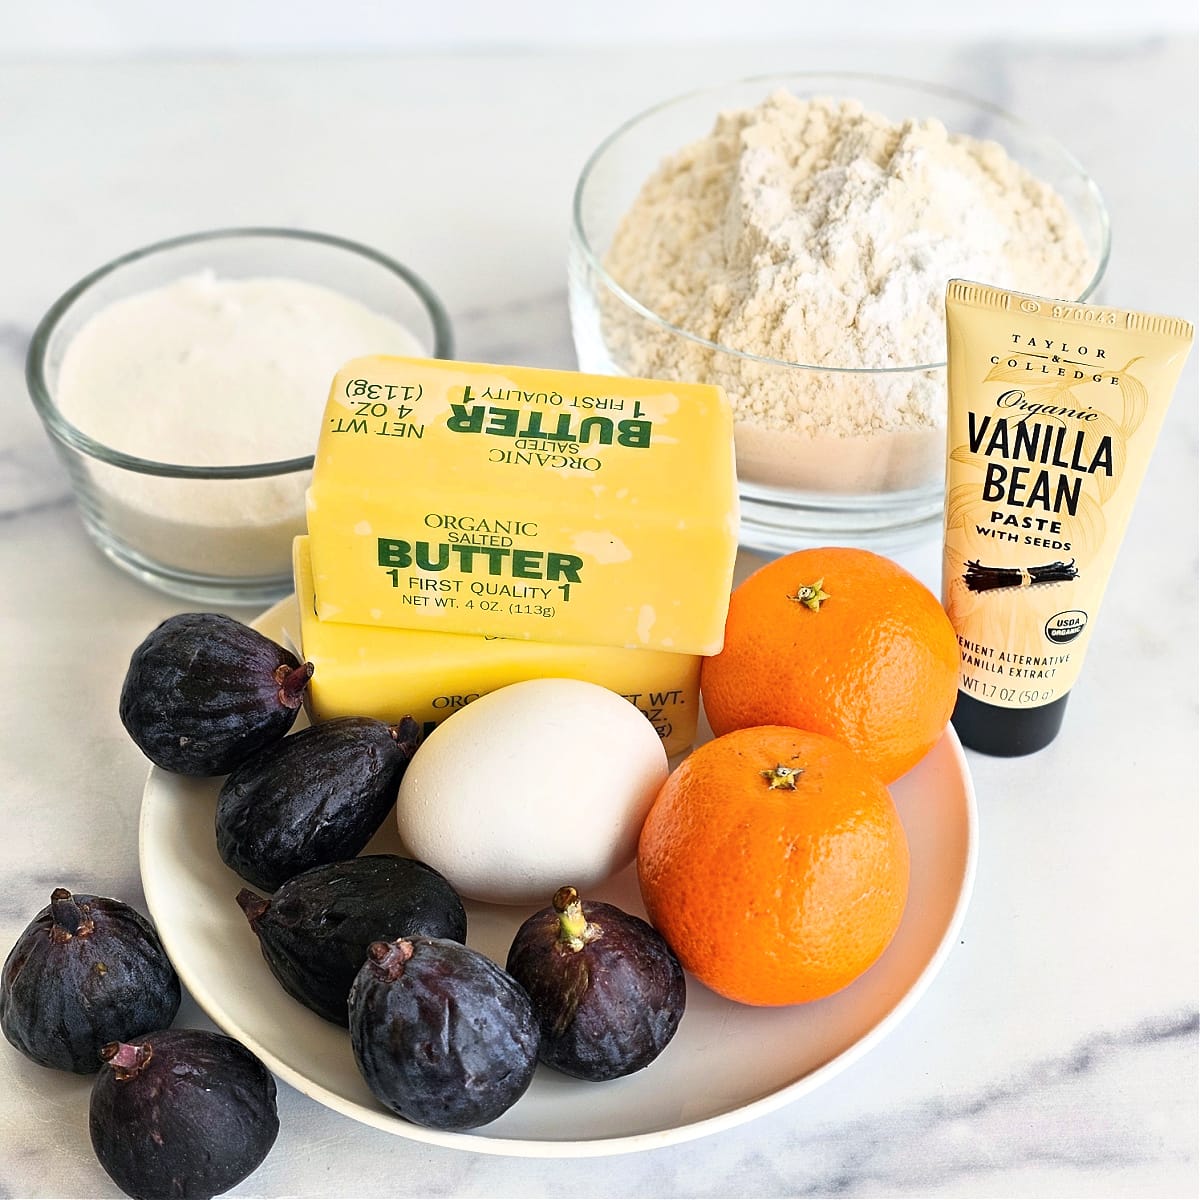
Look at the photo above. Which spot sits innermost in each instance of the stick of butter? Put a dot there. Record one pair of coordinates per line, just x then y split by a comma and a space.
365, 671
525, 503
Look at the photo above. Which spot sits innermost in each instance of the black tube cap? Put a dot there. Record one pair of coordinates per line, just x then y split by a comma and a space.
1006, 732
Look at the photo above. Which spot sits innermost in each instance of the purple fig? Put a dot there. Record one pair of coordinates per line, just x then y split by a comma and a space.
314, 932
86, 971
181, 1113
608, 991
203, 692
441, 1034
313, 798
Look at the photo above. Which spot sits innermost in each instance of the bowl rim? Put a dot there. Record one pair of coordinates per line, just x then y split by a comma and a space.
69, 434
1027, 128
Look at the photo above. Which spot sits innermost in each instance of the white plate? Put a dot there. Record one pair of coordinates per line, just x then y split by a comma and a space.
727, 1064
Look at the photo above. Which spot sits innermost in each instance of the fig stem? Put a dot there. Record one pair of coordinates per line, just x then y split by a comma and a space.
252, 904
406, 733
292, 684
69, 919
574, 929
387, 959
126, 1059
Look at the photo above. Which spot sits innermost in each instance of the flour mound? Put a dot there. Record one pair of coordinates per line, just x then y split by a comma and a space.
815, 232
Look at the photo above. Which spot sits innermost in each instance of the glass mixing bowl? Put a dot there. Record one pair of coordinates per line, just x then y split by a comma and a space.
216, 534
802, 483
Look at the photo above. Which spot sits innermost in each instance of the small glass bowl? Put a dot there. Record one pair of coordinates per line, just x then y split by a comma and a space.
212, 534
805, 485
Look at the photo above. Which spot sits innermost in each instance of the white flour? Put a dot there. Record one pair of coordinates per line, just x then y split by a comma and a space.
814, 232
209, 371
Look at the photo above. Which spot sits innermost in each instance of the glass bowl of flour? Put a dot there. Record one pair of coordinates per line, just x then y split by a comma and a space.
790, 238
183, 386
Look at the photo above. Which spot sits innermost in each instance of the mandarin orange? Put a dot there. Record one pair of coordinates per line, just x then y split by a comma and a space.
775, 865
839, 641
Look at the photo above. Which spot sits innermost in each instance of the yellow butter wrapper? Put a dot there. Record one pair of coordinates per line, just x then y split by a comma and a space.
523, 503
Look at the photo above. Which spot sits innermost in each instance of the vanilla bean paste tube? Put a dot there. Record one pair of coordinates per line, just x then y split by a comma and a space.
1054, 409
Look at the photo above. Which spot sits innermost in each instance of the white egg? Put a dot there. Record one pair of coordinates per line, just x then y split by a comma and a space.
531, 787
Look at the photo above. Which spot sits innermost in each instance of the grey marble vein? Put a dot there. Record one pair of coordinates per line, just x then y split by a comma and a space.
923, 1147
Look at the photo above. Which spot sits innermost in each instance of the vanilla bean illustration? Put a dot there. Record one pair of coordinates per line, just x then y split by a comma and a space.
979, 578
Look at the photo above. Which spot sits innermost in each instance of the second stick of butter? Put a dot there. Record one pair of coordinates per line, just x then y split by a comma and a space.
388, 674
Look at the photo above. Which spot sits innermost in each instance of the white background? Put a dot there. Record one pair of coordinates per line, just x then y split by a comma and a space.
135, 27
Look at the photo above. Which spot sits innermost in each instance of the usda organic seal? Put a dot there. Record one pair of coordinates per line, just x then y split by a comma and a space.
1066, 626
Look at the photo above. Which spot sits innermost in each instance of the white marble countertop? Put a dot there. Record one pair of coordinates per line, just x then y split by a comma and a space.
1056, 1053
